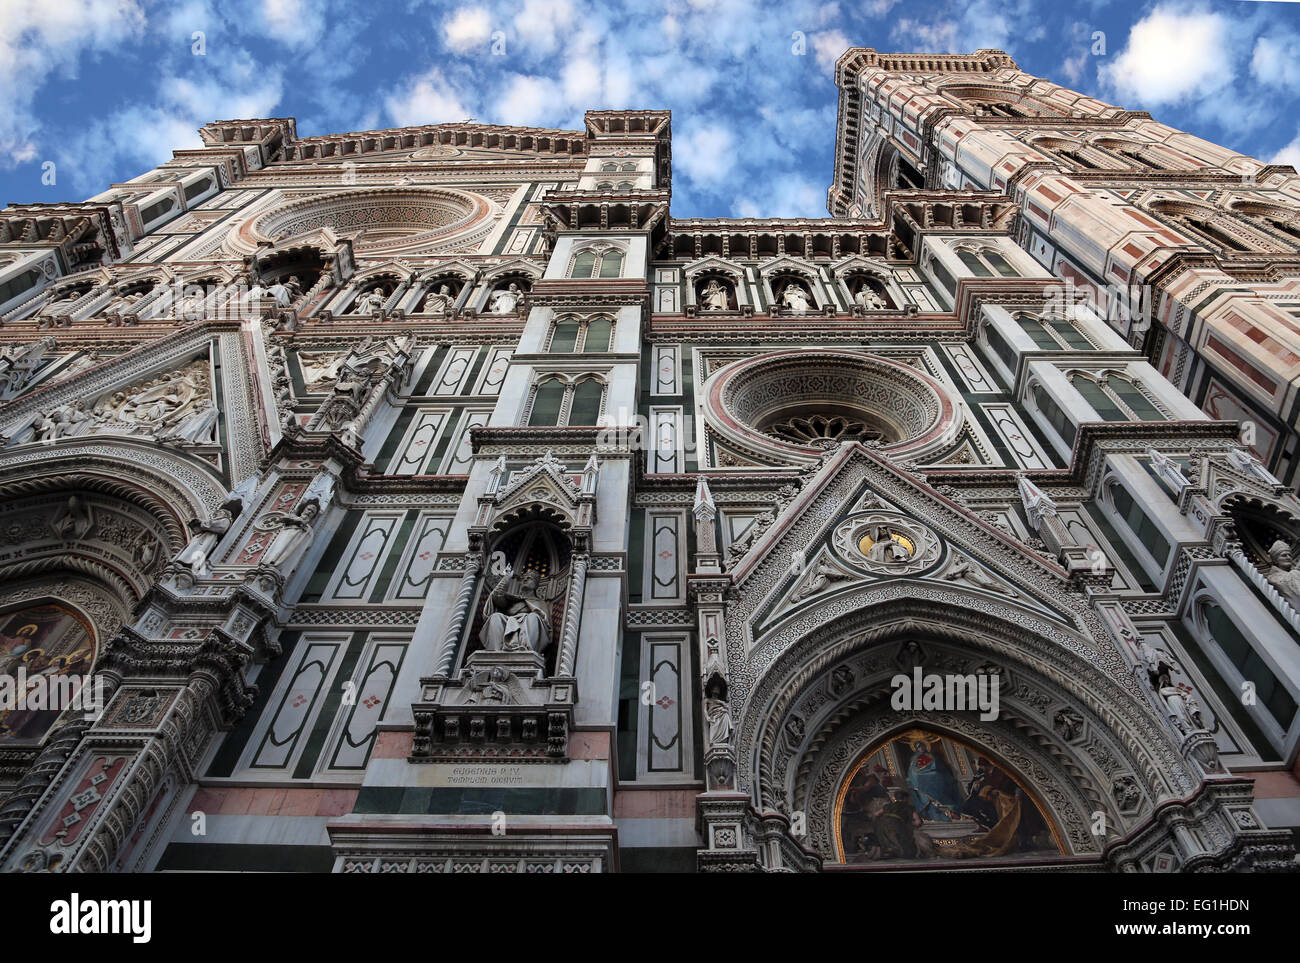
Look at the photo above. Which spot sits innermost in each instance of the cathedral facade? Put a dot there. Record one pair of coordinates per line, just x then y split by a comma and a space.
432, 500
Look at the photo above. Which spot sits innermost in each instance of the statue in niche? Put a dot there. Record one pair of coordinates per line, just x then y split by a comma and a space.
296, 528
1282, 574
1158, 665
370, 302
714, 297
438, 302
206, 534
125, 304
794, 298
518, 614
1184, 711
507, 301
75, 520
868, 299
717, 712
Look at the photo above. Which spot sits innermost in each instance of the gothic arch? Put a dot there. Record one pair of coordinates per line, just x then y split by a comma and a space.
1049, 667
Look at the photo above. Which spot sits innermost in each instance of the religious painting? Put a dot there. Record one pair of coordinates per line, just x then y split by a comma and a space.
921, 796
40, 644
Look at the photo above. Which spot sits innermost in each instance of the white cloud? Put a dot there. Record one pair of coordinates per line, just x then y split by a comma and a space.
827, 46
427, 99
467, 28
704, 155
1173, 54
542, 24
294, 23
38, 38
1276, 60
788, 196
529, 102
1290, 154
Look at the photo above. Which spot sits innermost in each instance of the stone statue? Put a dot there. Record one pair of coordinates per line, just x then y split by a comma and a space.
1184, 710
206, 534
197, 426
518, 620
1158, 665
507, 301
714, 297
868, 300
75, 520
718, 716
370, 302
294, 536
794, 298
438, 302
1282, 575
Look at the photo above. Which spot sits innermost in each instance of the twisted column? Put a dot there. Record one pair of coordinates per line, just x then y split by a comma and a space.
572, 616
456, 623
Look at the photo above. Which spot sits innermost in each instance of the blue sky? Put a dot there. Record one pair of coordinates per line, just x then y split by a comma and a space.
107, 88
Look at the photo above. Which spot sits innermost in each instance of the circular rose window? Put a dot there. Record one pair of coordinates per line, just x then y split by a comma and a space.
377, 221
792, 405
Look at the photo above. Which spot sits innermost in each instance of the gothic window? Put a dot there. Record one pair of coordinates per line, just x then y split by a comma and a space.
1053, 334
547, 403
1139, 523
591, 262
20, 284
1277, 220
1217, 229
1116, 398
1055, 416
558, 402
587, 397
581, 335
986, 263
974, 264
1269, 691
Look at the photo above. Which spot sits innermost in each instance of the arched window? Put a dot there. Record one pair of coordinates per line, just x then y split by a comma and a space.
974, 264
557, 402
605, 186
587, 396
1140, 524
1269, 691
625, 185
1053, 334
609, 166
1055, 416
611, 264
547, 403
584, 264
575, 335
565, 336
599, 332
1000, 264
629, 166
1116, 398
594, 262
